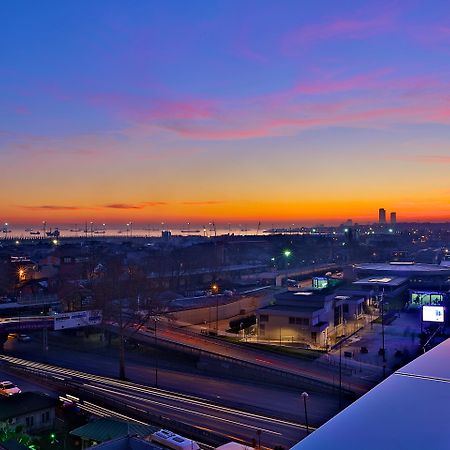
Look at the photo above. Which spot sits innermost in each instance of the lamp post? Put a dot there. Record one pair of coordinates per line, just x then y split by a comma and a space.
382, 333
305, 396
215, 291
287, 253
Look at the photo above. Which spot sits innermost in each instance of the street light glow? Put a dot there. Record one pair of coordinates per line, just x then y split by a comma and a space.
287, 253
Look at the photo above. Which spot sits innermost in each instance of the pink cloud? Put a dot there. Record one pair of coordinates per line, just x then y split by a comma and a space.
352, 28
378, 98
148, 109
367, 111
429, 159
243, 48
436, 36
357, 82
216, 133
22, 110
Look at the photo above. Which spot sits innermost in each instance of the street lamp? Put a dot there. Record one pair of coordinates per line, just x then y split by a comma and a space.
287, 253
305, 395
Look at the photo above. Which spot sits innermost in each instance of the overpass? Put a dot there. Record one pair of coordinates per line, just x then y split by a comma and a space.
55, 322
278, 276
18, 324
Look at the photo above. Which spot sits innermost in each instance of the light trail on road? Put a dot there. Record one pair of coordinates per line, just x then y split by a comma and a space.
146, 389
195, 411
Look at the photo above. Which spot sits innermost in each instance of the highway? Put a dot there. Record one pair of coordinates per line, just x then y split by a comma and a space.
230, 423
289, 364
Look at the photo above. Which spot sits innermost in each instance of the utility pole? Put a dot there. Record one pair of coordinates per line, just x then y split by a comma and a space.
382, 334
305, 396
156, 350
340, 376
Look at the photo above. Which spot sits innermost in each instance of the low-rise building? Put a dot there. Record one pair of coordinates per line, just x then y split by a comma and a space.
34, 412
106, 429
317, 320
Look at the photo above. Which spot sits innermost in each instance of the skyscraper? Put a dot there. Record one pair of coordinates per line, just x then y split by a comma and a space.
393, 218
381, 215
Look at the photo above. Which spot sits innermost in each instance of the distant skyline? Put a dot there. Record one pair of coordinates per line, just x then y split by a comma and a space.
228, 111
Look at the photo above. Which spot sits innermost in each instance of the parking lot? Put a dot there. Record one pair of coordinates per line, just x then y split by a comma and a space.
401, 338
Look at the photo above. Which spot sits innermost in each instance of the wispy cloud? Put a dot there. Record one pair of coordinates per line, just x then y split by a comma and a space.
356, 27
141, 205
433, 35
428, 159
145, 109
204, 203
54, 207
376, 102
374, 99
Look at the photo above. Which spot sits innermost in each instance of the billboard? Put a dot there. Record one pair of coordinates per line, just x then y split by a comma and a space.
77, 319
320, 282
433, 314
421, 298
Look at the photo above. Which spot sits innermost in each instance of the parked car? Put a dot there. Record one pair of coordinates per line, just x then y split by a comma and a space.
8, 388
24, 338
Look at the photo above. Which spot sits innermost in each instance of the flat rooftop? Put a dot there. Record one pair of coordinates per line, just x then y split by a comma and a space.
291, 308
381, 281
409, 410
300, 296
403, 268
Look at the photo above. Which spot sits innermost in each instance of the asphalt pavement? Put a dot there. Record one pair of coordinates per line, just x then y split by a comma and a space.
146, 402
181, 376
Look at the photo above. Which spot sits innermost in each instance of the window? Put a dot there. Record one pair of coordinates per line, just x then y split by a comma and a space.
337, 316
345, 308
262, 329
291, 319
304, 321
46, 417
314, 336
263, 318
29, 421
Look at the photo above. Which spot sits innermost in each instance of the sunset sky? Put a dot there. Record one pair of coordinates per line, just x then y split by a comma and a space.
177, 111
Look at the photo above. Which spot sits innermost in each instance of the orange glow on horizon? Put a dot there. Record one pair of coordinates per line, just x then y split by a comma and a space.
230, 212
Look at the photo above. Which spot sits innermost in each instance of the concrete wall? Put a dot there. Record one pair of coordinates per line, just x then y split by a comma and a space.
279, 329
209, 314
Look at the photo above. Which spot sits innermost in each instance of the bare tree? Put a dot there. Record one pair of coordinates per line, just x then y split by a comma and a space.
122, 291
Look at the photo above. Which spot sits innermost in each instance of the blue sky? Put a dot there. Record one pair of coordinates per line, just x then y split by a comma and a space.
227, 110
